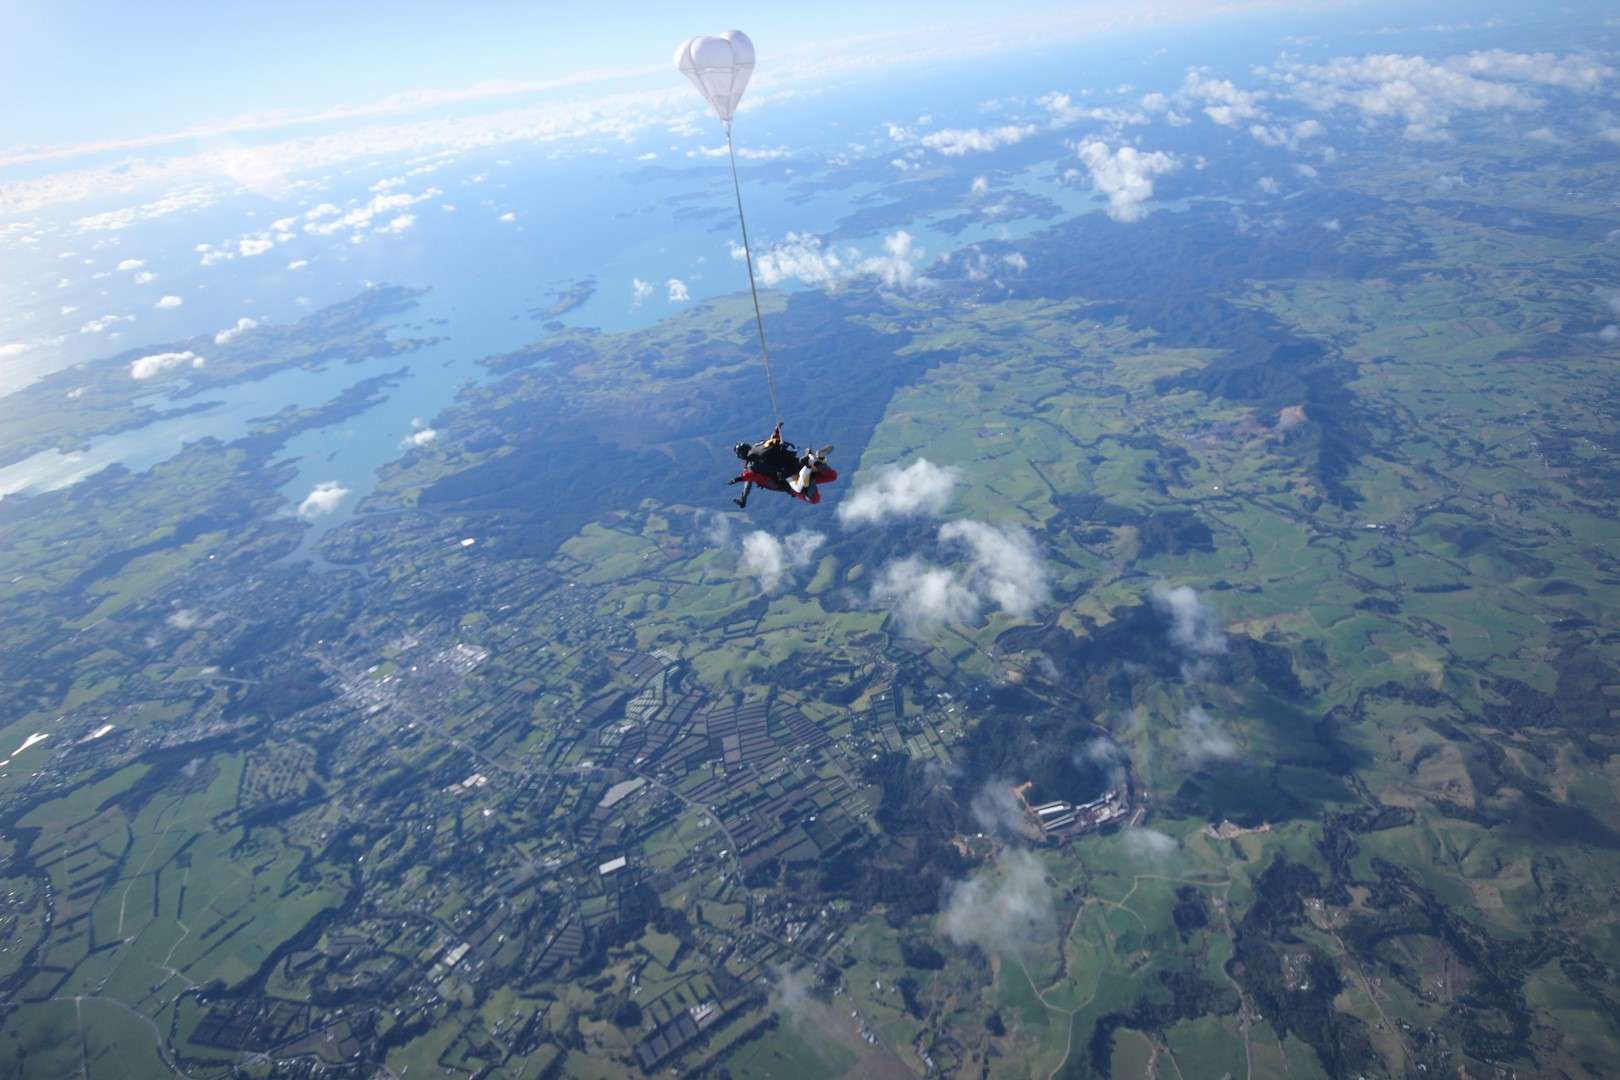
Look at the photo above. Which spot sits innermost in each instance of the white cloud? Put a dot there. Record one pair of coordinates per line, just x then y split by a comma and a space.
1016, 261
953, 142
800, 257
920, 489
507, 217
322, 499
184, 619
1000, 813
1425, 95
1224, 102
96, 326
773, 561
131, 264
327, 219
747, 153
1007, 908
15, 348
249, 246
1195, 627
421, 437
640, 291
1124, 175
677, 291
923, 596
168, 302
397, 224
148, 366
1148, 845
1204, 739
897, 266
298, 264
980, 186
145, 277
1065, 112
1268, 185
1006, 567
226, 336
46, 193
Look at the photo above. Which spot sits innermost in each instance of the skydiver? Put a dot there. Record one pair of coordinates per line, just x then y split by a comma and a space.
772, 457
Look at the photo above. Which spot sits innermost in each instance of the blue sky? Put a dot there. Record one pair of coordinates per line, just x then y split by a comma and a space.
92, 72
109, 70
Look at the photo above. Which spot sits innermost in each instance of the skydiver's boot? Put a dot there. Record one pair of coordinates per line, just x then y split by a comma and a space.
801, 483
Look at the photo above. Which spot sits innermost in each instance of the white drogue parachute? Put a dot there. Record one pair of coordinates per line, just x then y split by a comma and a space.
720, 67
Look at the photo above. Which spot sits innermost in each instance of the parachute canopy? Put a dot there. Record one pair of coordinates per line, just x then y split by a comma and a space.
719, 67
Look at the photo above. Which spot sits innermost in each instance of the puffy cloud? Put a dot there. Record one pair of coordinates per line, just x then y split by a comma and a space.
148, 366
131, 264
1006, 567
1007, 908
15, 348
924, 597
920, 489
772, 561
800, 257
1224, 102
1268, 185
953, 142
168, 302
1065, 112
1424, 95
230, 334
1204, 739
98, 325
184, 619
249, 246
897, 266
640, 291
1549, 69
677, 291
422, 436
507, 217
145, 277
980, 186
803, 258
298, 264
327, 219
397, 225
1016, 261
322, 499
1195, 627
1124, 175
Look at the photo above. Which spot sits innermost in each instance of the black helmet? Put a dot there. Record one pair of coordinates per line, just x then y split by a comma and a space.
742, 450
